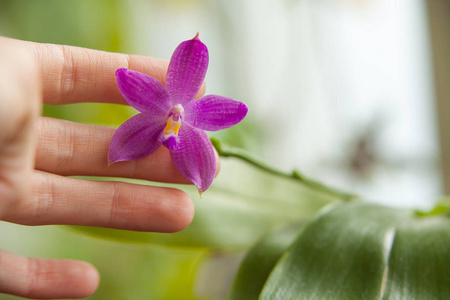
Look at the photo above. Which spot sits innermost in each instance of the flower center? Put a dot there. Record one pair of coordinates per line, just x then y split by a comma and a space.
170, 133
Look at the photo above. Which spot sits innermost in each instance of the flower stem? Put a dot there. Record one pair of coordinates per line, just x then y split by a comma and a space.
229, 151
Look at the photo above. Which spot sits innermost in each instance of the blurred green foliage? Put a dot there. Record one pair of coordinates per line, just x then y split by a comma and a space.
92, 24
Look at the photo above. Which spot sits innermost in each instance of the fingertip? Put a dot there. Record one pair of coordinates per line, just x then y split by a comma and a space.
59, 278
91, 277
77, 279
181, 211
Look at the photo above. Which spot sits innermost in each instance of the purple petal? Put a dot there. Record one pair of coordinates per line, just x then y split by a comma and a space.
143, 92
195, 157
187, 70
136, 138
213, 112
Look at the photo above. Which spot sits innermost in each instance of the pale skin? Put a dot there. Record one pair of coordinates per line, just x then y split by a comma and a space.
36, 153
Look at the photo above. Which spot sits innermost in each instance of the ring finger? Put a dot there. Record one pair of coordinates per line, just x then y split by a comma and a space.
61, 200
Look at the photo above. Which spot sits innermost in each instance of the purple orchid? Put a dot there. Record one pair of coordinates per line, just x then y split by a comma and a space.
171, 117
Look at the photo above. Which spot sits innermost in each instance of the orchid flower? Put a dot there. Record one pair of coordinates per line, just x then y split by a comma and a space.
170, 116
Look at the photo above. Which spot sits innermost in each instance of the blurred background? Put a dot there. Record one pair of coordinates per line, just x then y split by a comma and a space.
351, 92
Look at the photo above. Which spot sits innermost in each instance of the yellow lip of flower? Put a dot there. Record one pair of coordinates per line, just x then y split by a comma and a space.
173, 122
170, 133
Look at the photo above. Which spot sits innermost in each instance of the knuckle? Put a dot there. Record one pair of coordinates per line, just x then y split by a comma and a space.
65, 146
15, 198
115, 203
33, 267
67, 71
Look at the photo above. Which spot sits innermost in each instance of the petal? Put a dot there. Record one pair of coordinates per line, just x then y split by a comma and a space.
195, 157
187, 69
213, 112
136, 138
143, 92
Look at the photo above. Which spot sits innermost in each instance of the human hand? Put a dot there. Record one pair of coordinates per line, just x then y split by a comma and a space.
37, 152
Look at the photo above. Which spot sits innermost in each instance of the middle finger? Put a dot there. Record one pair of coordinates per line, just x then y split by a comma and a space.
68, 148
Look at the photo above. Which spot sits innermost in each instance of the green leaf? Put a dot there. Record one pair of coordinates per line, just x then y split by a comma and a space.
342, 254
260, 260
242, 205
443, 207
419, 267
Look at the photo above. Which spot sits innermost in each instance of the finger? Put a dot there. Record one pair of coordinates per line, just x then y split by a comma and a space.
68, 148
74, 74
61, 200
46, 278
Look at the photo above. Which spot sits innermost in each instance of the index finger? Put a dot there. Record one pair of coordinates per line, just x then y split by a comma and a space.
73, 74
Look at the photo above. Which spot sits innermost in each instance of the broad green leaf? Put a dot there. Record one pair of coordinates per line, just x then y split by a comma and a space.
242, 205
342, 254
419, 265
260, 260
